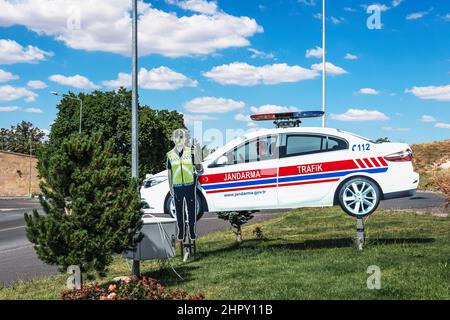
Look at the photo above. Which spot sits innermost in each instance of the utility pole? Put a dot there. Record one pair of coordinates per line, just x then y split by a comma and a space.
135, 268
29, 181
324, 69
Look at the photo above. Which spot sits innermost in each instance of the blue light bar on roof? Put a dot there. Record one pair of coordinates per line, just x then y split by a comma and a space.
286, 115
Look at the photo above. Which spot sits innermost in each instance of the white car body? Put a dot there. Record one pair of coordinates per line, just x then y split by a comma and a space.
291, 179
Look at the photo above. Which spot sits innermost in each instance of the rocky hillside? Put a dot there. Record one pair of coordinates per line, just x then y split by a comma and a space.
430, 158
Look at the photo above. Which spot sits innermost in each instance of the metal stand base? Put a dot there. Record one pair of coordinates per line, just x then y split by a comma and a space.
188, 246
360, 234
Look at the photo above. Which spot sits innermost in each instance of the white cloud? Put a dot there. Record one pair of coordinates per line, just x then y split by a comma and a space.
162, 78
9, 93
439, 93
349, 9
11, 52
418, 15
381, 7
34, 110
191, 118
396, 3
123, 80
243, 74
36, 84
307, 2
260, 54
369, 91
396, 129
104, 25
272, 108
212, 105
317, 16
331, 69
442, 125
335, 20
200, 6
242, 117
350, 56
316, 52
426, 118
75, 81
8, 109
6, 76
446, 17
360, 115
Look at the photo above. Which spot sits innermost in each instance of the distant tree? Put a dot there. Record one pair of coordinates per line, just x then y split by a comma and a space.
236, 219
381, 140
19, 138
92, 209
110, 113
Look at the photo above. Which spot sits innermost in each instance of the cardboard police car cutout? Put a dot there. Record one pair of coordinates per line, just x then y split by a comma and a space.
292, 167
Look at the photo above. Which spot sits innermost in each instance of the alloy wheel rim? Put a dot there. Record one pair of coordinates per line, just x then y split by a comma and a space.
359, 198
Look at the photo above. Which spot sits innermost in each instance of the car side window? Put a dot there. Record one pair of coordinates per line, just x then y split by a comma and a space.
258, 149
304, 144
334, 144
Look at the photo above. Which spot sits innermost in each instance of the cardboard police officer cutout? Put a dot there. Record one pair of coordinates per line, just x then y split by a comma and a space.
182, 164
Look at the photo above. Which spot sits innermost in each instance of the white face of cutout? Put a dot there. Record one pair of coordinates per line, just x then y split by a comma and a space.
179, 138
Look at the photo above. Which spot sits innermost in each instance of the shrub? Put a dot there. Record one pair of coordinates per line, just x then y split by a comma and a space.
128, 288
92, 209
258, 232
442, 181
236, 219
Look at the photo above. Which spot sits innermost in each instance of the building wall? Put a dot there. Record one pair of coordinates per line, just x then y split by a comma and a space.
15, 175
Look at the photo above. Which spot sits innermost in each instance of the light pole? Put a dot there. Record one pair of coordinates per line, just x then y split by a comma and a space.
73, 98
29, 181
135, 268
324, 68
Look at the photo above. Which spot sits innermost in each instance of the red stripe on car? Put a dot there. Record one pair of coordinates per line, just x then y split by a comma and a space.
383, 162
368, 163
361, 163
375, 162
302, 169
307, 182
238, 176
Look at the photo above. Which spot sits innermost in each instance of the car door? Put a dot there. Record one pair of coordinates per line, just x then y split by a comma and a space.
244, 177
308, 166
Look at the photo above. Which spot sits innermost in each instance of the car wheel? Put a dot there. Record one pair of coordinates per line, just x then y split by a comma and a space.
359, 197
169, 206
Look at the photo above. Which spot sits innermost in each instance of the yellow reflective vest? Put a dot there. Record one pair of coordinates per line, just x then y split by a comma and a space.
182, 169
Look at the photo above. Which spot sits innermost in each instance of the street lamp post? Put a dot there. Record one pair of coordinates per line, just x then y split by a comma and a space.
73, 98
135, 268
324, 66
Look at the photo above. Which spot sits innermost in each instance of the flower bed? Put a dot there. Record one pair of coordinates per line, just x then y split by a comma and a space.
128, 288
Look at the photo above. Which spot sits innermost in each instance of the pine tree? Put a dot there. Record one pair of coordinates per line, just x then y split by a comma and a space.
92, 207
236, 219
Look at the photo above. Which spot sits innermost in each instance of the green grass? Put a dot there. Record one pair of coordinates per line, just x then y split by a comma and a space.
309, 254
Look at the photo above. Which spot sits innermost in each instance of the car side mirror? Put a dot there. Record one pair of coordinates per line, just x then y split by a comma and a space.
222, 161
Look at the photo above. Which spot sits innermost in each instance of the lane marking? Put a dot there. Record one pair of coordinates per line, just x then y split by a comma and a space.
12, 228
16, 209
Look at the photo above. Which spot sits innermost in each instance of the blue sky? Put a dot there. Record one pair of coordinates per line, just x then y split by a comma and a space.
221, 61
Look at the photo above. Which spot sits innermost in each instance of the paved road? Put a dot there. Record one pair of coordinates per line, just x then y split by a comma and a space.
19, 261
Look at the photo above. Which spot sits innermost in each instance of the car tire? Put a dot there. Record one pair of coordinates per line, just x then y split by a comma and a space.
359, 197
170, 210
